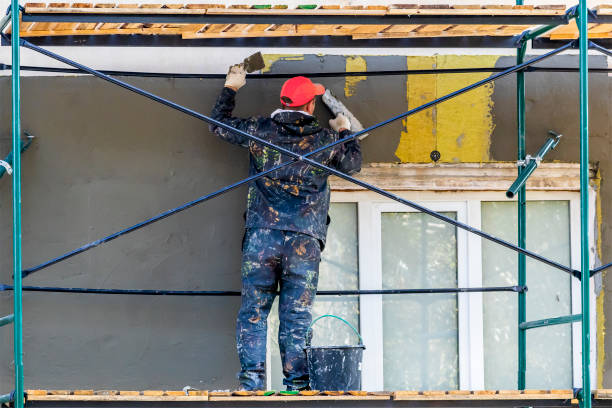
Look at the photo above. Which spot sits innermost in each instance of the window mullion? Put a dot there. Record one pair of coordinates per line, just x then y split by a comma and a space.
575, 293
370, 277
475, 331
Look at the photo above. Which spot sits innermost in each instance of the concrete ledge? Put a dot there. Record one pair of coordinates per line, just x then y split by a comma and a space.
463, 177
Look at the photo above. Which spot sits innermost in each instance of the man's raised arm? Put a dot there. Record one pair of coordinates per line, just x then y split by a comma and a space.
235, 79
347, 157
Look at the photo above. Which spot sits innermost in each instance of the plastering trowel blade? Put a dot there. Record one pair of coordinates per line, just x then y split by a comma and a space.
337, 107
254, 62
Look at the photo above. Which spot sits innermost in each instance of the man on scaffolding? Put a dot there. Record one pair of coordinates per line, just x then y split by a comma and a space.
286, 222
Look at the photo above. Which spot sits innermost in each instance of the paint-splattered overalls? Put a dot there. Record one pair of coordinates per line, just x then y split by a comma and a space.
286, 227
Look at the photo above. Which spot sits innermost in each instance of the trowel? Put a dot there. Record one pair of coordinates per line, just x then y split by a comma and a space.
336, 107
254, 63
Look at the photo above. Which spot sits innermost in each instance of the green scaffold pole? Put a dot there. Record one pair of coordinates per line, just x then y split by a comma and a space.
16, 129
584, 202
522, 233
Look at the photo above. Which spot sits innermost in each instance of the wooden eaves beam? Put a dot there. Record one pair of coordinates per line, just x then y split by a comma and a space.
295, 16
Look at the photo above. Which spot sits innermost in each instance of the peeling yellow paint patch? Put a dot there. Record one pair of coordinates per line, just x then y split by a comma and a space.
597, 186
354, 64
459, 128
601, 337
418, 138
601, 317
271, 59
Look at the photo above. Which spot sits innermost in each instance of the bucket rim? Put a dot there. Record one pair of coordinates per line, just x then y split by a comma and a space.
361, 346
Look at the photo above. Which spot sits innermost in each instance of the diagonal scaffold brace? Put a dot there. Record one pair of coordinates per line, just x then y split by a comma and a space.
595, 46
298, 158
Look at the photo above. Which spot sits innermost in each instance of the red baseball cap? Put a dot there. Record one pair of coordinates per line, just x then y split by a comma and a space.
299, 90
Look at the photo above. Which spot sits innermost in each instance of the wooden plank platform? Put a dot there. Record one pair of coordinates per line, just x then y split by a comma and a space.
357, 32
513, 395
116, 395
490, 10
199, 396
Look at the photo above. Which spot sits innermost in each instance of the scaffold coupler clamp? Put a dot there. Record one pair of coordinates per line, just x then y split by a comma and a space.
578, 394
570, 13
7, 166
528, 159
522, 38
10, 8
11, 401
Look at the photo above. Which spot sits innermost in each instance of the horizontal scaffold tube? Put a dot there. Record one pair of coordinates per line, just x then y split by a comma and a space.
7, 319
310, 75
155, 292
300, 158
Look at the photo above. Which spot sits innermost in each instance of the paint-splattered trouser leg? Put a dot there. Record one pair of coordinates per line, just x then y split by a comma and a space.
298, 287
261, 259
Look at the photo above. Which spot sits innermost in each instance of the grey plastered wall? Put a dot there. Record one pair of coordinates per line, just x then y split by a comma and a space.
104, 159
553, 104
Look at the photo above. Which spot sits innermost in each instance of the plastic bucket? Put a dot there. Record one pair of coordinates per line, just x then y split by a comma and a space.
334, 368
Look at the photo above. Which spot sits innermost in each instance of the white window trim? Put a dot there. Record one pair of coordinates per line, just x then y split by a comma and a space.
370, 277
471, 375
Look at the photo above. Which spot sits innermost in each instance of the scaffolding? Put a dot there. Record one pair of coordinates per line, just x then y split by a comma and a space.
526, 165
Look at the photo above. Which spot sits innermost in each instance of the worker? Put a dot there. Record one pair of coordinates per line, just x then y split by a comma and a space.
286, 222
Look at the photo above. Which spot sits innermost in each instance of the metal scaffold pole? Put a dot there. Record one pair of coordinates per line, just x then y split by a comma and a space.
522, 299
583, 17
16, 129
522, 276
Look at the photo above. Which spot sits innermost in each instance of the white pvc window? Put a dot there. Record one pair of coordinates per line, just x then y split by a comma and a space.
549, 349
420, 331
449, 341
418, 346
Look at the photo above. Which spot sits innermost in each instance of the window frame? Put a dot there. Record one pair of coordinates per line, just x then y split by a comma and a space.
371, 277
471, 341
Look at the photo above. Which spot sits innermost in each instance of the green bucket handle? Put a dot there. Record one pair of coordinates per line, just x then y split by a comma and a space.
336, 317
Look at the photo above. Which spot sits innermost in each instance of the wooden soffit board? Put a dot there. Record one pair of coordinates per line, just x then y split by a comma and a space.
355, 31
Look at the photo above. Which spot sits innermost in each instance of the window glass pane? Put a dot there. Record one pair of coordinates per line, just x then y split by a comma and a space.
419, 331
339, 270
549, 360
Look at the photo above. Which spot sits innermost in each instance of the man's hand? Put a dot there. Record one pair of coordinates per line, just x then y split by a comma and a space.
340, 123
236, 77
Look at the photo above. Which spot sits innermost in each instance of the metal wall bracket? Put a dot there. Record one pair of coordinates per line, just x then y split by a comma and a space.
528, 159
531, 163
